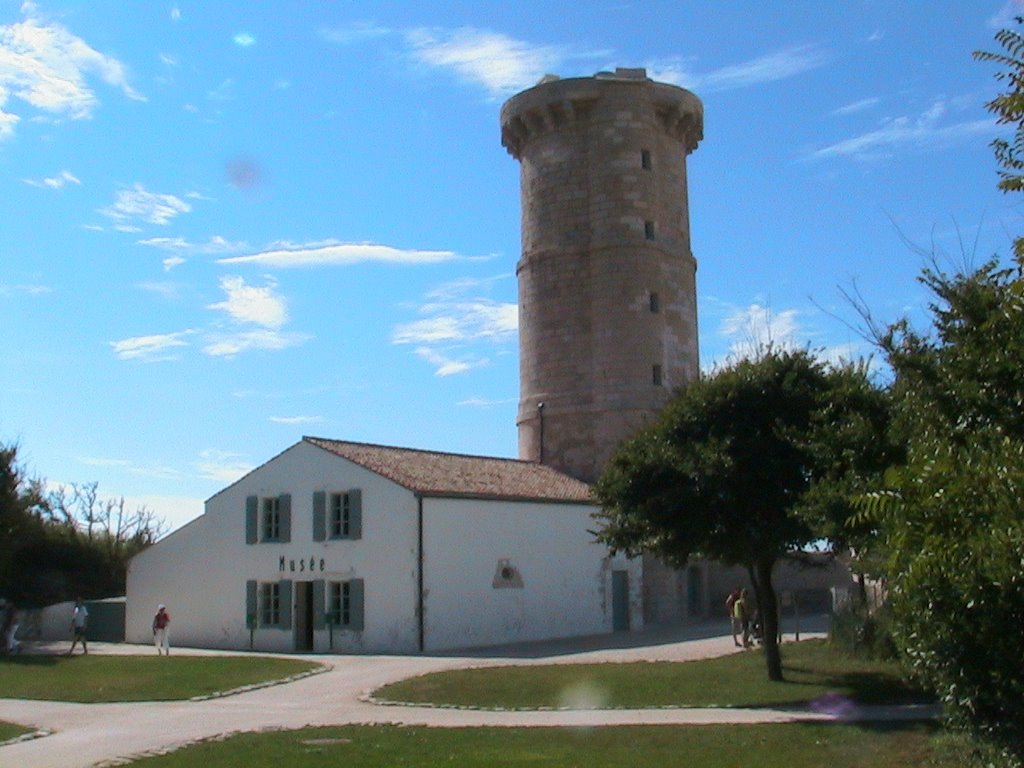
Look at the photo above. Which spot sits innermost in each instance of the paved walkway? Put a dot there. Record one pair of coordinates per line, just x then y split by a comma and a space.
85, 735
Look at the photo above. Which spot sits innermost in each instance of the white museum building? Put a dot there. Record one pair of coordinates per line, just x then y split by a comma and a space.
351, 547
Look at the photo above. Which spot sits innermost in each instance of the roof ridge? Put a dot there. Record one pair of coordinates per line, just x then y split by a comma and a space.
314, 438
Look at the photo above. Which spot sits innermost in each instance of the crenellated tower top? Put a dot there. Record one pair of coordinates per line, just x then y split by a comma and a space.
555, 103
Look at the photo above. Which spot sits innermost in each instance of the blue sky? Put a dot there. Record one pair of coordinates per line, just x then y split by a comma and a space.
225, 225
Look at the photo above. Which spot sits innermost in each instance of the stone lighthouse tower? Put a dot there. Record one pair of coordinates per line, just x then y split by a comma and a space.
607, 297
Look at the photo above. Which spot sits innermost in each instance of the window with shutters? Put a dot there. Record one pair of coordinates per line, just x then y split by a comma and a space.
270, 604
271, 519
341, 516
268, 519
341, 603
338, 514
345, 604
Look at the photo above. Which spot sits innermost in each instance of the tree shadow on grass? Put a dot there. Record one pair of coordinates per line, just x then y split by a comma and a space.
861, 687
31, 661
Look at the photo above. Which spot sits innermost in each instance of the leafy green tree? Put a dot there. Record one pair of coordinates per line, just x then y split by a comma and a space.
20, 498
1008, 107
68, 542
952, 515
726, 470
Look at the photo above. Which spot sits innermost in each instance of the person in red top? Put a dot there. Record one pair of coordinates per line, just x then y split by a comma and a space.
161, 632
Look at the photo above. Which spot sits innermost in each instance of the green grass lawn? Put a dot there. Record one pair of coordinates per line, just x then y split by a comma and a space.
95, 678
11, 731
812, 669
760, 746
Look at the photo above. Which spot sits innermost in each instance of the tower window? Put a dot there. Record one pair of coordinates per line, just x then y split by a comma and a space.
656, 375
655, 306
649, 230
645, 159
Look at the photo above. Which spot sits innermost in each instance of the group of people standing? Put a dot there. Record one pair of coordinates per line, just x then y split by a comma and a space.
80, 624
742, 616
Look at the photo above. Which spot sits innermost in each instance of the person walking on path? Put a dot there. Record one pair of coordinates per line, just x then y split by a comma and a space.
730, 603
161, 636
79, 624
741, 613
10, 630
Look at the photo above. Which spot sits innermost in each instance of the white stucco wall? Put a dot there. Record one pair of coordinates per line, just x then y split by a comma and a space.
566, 578
200, 571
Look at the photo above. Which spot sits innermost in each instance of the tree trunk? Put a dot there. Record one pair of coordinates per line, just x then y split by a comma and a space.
768, 605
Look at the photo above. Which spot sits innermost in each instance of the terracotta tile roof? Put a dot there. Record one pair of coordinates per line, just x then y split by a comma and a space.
431, 473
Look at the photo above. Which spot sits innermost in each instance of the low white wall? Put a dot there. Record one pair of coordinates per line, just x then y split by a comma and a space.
562, 579
50, 623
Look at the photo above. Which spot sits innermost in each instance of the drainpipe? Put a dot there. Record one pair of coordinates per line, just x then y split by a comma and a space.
419, 573
540, 416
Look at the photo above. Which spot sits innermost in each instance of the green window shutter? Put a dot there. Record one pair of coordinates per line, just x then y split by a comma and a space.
286, 604
355, 514
319, 604
252, 606
251, 519
355, 604
285, 508
319, 516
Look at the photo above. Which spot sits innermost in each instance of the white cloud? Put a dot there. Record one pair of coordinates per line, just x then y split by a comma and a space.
47, 67
353, 33
231, 344
503, 65
7, 121
856, 106
171, 262
223, 466
919, 133
55, 182
175, 13
456, 319
483, 402
446, 366
294, 420
769, 68
31, 290
151, 348
750, 330
97, 461
215, 244
1005, 17
460, 321
164, 289
139, 204
223, 92
244, 40
175, 511
334, 253
143, 470
252, 304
